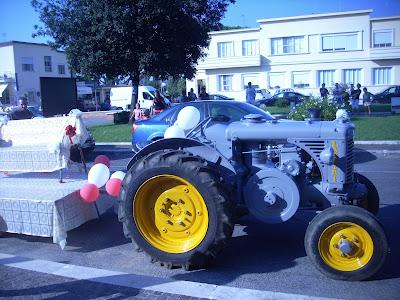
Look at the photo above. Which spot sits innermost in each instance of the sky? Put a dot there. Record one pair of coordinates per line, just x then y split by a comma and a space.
17, 17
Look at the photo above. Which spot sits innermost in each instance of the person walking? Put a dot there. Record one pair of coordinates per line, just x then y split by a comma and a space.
323, 91
22, 112
203, 94
250, 94
367, 99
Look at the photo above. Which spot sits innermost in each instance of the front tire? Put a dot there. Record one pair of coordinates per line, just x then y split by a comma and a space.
175, 209
346, 243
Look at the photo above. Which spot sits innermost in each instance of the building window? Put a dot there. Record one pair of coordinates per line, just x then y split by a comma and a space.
382, 76
47, 63
287, 45
253, 78
225, 82
352, 76
383, 38
225, 49
61, 69
249, 47
301, 79
340, 42
31, 96
27, 64
327, 77
276, 80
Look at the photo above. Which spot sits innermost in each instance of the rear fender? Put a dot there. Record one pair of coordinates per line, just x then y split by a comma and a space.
189, 145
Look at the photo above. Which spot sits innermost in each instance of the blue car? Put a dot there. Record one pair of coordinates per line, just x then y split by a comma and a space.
147, 131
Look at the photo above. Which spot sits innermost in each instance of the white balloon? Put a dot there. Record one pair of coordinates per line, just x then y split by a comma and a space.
118, 174
342, 113
99, 175
188, 117
174, 132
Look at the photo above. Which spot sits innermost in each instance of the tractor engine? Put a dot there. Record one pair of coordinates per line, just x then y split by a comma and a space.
289, 165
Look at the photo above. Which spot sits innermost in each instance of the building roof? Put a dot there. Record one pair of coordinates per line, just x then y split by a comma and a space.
11, 43
326, 15
385, 18
234, 31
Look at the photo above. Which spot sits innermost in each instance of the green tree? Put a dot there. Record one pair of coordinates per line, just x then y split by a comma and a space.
175, 86
130, 38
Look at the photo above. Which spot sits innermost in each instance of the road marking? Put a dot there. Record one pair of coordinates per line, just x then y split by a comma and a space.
164, 285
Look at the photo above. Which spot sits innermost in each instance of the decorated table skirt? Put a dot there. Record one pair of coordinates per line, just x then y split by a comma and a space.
37, 204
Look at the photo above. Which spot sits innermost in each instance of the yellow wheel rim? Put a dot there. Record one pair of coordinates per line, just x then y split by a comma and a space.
170, 213
346, 246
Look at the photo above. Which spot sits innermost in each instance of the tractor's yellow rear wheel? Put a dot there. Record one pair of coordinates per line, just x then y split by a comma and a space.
346, 243
174, 207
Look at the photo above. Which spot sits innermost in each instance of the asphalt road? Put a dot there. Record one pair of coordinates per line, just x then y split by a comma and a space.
259, 256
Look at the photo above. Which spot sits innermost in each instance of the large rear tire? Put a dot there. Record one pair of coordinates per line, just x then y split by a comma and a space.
371, 202
346, 243
175, 208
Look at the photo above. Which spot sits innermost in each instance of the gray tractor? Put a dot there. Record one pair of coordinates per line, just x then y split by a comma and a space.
181, 196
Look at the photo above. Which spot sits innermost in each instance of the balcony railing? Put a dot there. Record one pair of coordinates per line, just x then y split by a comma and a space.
384, 53
229, 62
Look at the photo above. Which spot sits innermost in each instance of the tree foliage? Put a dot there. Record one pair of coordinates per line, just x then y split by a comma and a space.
128, 38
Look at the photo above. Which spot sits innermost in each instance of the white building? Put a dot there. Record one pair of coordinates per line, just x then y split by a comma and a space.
303, 52
21, 66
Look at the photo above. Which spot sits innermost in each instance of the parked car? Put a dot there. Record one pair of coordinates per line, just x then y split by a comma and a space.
290, 96
262, 94
219, 97
147, 131
277, 91
386, 95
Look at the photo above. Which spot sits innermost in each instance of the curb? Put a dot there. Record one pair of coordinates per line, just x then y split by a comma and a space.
355, 142
377, 142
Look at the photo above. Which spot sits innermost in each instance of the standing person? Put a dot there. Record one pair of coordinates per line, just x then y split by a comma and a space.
337, 92
182, 98
357, 93
158, 104
367, 99
203, 94
191, 95
250, 94
323, 91
22, 112
137, 113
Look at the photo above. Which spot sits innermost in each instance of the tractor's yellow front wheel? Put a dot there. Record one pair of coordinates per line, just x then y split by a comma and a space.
346, 242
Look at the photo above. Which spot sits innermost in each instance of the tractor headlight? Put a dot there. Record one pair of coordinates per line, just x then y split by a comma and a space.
327, 156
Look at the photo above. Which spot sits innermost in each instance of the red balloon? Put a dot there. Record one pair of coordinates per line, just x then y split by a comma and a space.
89, 192
113, 186
102, 159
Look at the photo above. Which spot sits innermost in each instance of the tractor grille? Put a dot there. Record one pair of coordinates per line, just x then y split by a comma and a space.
350, 160
315, 147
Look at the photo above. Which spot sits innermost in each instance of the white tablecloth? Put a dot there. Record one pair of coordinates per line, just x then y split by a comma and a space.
37, 204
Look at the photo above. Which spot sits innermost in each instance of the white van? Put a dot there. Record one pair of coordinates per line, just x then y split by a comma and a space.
121, 96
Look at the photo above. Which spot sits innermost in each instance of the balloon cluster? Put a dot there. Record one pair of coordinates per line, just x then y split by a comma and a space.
188, 118
98, 176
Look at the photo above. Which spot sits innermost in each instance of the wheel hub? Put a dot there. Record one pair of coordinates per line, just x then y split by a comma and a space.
346, 246
171, 214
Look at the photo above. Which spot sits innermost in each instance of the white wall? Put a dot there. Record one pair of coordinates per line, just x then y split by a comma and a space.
30, 81
312, 27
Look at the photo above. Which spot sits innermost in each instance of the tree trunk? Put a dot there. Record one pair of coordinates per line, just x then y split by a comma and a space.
135, 86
